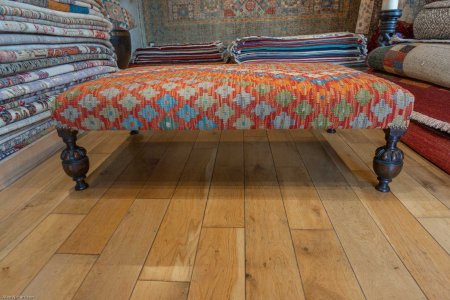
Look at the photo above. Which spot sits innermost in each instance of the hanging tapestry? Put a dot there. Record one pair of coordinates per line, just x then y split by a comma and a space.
181, 21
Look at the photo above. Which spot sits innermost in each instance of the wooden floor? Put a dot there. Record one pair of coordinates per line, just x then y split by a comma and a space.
228, 215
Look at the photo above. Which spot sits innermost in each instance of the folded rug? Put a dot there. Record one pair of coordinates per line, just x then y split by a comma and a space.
52, 71
30, 87
29, 65
16, 133
25, 137
44, 94
51, 23
21, 27
427, 62
182, 53
23, 39
55, 5
23, 123
12, 8
23, 112
340, 48
18, 55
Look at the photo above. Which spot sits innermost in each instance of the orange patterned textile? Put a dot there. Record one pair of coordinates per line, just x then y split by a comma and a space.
235, 97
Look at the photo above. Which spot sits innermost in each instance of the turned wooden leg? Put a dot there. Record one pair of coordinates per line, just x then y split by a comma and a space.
388, 160
74, 159
331, 130
134, 132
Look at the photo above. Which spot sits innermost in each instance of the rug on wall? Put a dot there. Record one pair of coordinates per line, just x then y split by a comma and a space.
182, 21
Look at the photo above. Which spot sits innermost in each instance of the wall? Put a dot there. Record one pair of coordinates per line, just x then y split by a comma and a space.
137, 34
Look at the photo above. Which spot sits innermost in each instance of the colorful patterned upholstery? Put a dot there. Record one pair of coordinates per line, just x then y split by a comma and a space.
235, 97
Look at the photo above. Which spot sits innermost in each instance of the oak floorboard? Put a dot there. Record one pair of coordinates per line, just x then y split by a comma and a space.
437, 182
103, 178
219, 271
299, 194
271, 267
173, 253
22, 264
61, 277
19, 224
160, 290
439, 228
18, 194
225, 206
116, 271
91, 236
355, 228
428, 263
419, 201
164, 180
325, 270
99, 182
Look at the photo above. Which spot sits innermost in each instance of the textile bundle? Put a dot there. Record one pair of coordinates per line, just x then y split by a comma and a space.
175, 54
342, 48
46, 47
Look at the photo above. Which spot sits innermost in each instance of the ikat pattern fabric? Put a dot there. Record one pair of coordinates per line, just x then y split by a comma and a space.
235, 97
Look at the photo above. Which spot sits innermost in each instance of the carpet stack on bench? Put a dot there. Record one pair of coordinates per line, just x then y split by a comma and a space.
46, 47
344, 48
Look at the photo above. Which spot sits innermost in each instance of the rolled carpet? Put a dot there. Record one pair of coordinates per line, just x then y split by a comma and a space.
427, 62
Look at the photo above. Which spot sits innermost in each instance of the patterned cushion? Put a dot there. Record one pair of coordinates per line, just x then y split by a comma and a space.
235, 97
433, 21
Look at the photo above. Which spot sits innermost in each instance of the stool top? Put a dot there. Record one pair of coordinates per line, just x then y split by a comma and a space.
248, 96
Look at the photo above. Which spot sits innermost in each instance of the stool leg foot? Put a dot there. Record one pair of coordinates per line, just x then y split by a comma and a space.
331, 130
388, 160
134, 132
74, 159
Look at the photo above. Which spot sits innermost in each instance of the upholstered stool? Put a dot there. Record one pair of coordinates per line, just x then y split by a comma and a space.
230, 97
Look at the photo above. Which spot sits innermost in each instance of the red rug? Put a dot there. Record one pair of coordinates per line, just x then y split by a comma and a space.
432, 101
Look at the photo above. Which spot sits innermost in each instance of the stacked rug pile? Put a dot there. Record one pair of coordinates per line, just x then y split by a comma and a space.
343, 48
46, 46
422, 65
212, 52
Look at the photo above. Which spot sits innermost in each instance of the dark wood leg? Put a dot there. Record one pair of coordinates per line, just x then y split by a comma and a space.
388, 160
331, 130
134, 132
74, 159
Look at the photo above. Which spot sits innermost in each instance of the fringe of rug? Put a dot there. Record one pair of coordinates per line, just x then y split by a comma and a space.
431, 122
